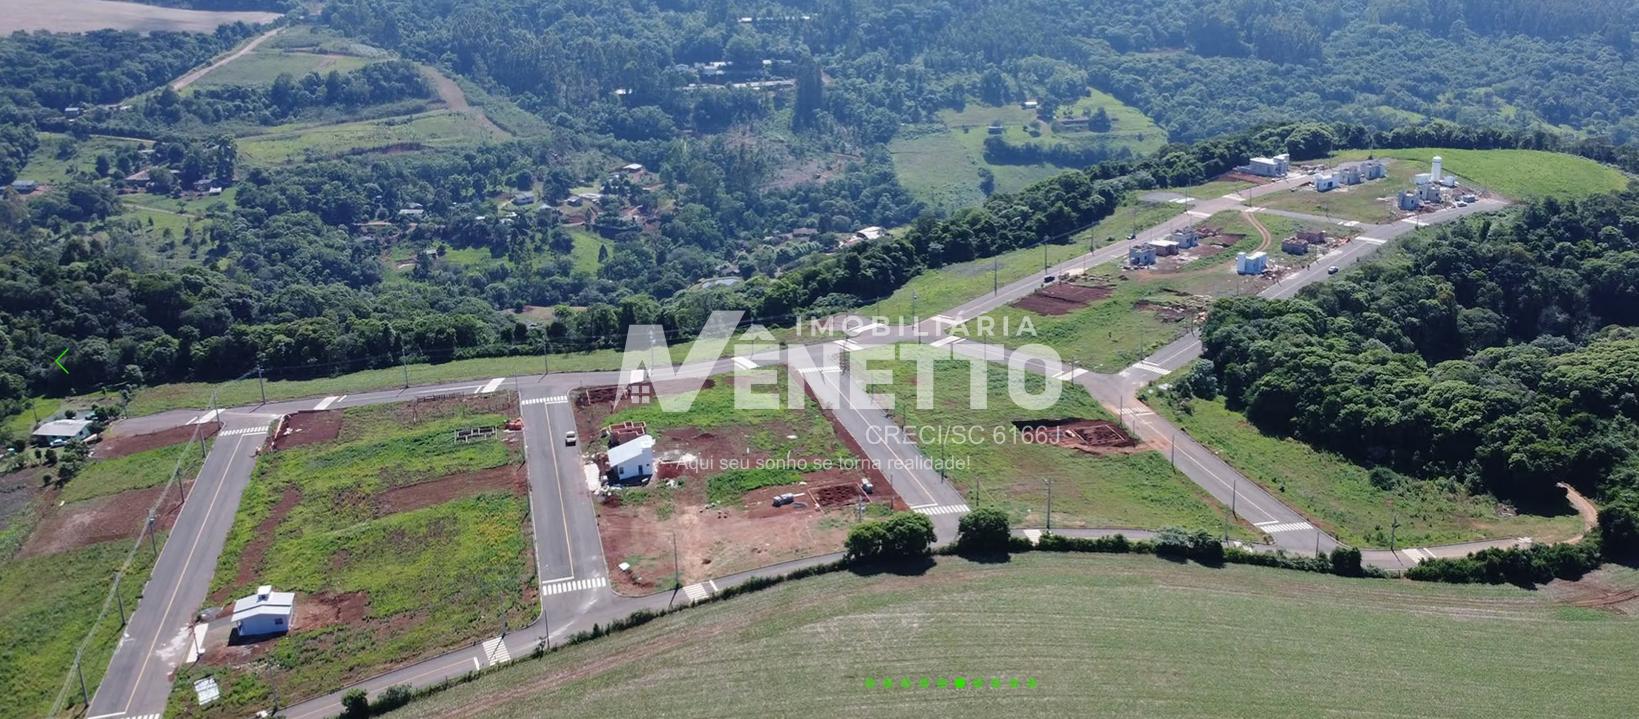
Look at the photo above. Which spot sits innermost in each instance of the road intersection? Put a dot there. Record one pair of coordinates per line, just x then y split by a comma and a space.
575, 594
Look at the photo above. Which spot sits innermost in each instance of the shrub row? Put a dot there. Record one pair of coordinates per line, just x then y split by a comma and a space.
1526, 567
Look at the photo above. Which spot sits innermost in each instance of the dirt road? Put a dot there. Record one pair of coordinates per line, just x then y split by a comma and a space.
193, 76
1262, 231
450, 93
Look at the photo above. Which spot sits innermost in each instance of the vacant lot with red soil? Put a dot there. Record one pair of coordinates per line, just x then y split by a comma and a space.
510, 478
1094, 436
113, 446
430, 408
93, 521
1063, 298
308, 427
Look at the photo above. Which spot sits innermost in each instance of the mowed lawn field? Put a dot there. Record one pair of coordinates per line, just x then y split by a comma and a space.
1100, 636
1517, 174
992, 465
1338, 495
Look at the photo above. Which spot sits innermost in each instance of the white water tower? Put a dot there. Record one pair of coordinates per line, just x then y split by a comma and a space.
1436, 174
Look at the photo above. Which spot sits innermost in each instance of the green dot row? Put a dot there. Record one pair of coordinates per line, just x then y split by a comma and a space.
952, 683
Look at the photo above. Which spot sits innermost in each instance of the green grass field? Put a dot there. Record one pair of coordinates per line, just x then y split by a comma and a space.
1101, 636
103, 477
949, 286
263, 65
61, 158
432, 577
47, 604
438, 128
1514, 173
993, 466
1338, 496
585, 255
939, 163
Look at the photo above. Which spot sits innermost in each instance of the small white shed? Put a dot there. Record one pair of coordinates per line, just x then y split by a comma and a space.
632, 460
264, 613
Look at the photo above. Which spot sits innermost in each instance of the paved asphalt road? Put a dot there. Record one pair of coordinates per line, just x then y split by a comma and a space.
575, 592
155, 639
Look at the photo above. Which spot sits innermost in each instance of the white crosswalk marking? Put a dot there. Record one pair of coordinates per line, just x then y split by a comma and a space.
696, 592
562, 586
857, 331
554, 399
495, 651
1148, 366
847, 345
942, 341
1273, 527
942, 509
326, 402
1369, 240
1415, 221
245, 431
744, 363
946, 320
493, 385
206, 417
1070, 374
1197, 213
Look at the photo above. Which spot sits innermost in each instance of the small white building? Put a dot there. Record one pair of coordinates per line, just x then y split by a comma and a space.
870, 233
1251, 264
1409, 201
1164, 248
1325, 182
632, 460
265, 613
57, 433
1140, 256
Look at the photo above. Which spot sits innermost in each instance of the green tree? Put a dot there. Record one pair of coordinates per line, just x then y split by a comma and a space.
983, 530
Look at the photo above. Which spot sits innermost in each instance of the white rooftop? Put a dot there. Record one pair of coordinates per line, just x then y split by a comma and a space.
630, 449
264, 601
62, 428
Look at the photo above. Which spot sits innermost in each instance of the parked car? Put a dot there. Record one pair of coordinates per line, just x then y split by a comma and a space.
866, 485
1332, 270
570, 439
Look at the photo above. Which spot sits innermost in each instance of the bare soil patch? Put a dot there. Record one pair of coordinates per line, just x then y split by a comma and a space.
94, 521
1168, 312
113, 446
510, 478
1598, 590
17, 490
426, 409
1063, 298
307, 427
1094, 436
250, 561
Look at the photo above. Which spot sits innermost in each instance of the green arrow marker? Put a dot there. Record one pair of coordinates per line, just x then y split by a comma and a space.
59, 361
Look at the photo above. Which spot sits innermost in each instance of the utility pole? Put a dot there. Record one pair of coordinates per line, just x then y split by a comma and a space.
1049, 482
546, 356
80, 672
995, 277
261, 384
1394, 524
406, 367
1174, 448
677, 565
915, 326
153, 541
118, 576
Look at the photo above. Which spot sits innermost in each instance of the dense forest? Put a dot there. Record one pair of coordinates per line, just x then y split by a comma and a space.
1500, 355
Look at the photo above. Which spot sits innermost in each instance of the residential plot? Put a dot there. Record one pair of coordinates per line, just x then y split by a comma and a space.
1340, 496
1005, 454
718, 469
402, 531
1371, 202
263, 65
